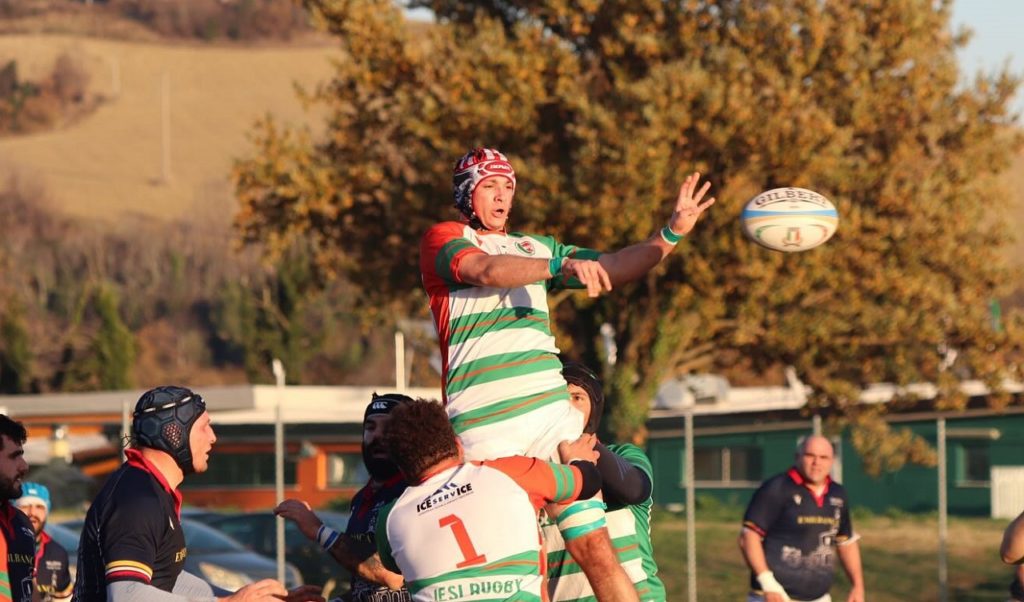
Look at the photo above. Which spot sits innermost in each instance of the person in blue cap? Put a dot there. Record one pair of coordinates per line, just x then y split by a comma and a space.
53, 576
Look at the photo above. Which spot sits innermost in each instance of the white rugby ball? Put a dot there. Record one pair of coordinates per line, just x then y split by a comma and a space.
789, 219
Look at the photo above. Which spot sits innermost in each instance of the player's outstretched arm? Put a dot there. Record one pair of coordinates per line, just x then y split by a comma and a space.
1012, 548
503, 271
359, 558
632, 262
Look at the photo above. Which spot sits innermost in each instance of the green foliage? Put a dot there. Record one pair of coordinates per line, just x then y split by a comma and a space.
114, 347
603, 107
15, 352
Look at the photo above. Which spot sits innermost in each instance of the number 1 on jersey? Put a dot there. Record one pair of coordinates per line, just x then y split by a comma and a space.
469, 553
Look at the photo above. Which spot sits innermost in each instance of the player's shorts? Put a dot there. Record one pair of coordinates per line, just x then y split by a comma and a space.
535, 434
752, 597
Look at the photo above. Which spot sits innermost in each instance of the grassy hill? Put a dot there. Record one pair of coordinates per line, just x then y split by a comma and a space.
109, 164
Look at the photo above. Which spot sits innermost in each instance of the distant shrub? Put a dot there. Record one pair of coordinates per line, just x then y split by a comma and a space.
70, 79
242, 20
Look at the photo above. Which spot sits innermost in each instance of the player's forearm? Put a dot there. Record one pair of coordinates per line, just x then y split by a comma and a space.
503, 271
849, 556
632, 262
372, 569
752, 547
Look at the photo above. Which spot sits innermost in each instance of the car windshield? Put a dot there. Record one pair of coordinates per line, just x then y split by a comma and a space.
201, 538
67, 538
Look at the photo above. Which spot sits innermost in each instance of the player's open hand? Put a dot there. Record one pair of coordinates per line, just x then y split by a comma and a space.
301, 514
267, 590
580, 449
304, 593
690, 204
590, 273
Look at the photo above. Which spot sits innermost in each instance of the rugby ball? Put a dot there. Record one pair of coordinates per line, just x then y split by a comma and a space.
789, 219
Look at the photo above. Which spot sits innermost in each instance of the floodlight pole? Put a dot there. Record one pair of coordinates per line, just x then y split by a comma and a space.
278, 368
940, 436
691, 523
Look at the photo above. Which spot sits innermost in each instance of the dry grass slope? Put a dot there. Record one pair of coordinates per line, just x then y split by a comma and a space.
110, 163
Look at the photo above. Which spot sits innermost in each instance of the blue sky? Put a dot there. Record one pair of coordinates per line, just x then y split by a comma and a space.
998, 36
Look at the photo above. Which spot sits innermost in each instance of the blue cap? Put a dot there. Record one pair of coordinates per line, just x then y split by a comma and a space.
36, 493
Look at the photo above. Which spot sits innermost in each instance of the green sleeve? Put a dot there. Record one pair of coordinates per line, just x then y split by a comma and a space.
383, 545
569, 252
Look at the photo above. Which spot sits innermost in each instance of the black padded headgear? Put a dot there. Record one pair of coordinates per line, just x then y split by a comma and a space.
163, 420
581, 376
383, 404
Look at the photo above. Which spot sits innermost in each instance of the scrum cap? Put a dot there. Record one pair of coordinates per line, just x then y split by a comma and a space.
583, 377
163, 419
474, 167
383, 404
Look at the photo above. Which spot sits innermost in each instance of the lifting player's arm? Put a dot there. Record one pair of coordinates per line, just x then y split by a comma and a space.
625, 483
358, 557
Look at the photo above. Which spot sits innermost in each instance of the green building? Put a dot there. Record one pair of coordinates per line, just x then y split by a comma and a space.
738, 445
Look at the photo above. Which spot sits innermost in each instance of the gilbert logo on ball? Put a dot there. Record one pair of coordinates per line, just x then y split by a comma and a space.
789, 219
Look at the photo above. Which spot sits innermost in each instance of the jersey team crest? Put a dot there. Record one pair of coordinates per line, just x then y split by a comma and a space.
526, 247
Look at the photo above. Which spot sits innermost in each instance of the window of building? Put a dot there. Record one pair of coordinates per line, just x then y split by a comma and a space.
974, 463
239, 470
346, 469
732, 465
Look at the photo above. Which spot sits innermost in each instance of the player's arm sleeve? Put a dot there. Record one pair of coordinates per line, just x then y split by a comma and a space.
442, 250
194, 588
762, 510
383, 545
569, 252
133, 591
549, 482
625, 475
5, 576
845, 535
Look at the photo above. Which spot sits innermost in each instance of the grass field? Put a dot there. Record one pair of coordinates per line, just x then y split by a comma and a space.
110, 163
900, 559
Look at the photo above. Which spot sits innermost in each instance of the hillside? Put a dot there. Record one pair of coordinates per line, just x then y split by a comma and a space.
110, 163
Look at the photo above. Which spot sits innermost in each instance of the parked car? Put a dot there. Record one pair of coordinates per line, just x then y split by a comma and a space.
259, 532
213, 556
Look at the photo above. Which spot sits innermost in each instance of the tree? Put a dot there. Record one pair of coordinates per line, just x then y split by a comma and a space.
113, 349
604, 106
15, 352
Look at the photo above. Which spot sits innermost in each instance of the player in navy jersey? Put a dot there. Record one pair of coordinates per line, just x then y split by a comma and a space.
132, 547
53, 576
795, 525
17, 544
356, 549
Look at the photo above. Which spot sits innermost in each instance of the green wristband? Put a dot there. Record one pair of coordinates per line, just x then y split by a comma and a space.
555, 265
671, 237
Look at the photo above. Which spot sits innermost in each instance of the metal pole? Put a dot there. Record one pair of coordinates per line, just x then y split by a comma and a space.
399, 361
691, 526
816, 424
940, 435
165, 129
278, 369
126, 426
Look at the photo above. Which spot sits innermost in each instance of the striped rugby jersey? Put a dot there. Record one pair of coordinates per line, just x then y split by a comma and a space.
498, 356
469, 532
630, 530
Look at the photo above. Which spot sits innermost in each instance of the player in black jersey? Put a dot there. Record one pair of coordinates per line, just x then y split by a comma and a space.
132, 547
53, 577
356, 548
793, 528
17, 545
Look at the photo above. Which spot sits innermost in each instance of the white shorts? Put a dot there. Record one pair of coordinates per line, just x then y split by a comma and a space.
535, 434
752, 597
